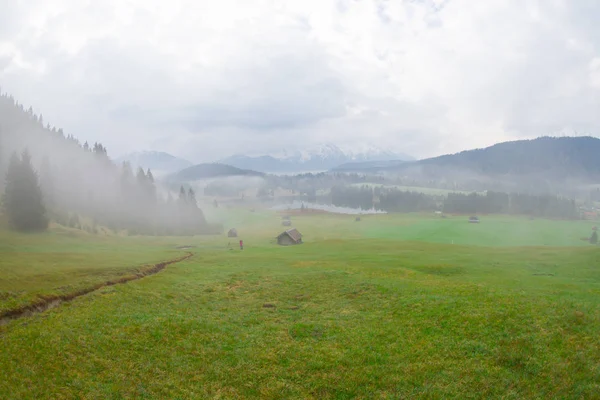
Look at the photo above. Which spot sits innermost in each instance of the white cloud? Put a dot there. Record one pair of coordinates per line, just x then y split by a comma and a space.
205, 79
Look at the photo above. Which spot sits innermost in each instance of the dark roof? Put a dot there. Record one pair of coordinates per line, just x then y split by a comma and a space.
293, 234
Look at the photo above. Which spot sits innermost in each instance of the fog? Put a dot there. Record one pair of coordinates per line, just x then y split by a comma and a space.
84, 189
298, 205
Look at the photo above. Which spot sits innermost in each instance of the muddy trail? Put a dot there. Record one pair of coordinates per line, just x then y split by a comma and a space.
50, 302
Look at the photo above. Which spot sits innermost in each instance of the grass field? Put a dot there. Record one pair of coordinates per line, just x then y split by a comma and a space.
38, 266
384, 308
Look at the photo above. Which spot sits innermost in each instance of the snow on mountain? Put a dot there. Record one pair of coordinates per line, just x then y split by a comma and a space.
314, 158
159, 162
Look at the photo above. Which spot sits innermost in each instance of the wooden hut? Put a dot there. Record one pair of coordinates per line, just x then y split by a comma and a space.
289, 237
232, 233
473, 220
357, 219
286, 223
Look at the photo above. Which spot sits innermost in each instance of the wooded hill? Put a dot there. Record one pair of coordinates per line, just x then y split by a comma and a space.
560, 158
543, 165
211, 170
79, 180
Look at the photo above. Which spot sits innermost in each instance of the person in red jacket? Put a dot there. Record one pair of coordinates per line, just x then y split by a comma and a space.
241, 245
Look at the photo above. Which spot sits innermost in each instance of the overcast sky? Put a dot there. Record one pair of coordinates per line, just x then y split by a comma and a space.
204, 79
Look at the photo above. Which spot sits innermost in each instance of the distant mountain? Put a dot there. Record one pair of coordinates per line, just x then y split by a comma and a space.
316, 158
553, 157
208, 171
575, 158
159, 162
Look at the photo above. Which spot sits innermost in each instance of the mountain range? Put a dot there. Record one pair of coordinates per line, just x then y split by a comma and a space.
549, 158
316, 158
520, 163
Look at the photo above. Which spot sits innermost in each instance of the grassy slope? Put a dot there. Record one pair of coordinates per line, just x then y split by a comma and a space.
357, 315
33, 266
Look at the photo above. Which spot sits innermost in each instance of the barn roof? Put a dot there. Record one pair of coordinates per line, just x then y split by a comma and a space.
293, 234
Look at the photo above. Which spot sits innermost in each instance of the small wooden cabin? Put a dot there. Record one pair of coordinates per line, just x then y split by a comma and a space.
473, 220
289, 237
232, 233
286, 223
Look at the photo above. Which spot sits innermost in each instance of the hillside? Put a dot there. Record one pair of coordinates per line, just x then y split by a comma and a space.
548, 158
79, 182
208, 171
564, 157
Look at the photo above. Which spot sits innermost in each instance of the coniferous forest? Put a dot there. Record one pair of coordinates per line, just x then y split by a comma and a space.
51, 176
394, 200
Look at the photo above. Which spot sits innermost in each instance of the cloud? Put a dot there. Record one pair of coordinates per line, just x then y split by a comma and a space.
207, 79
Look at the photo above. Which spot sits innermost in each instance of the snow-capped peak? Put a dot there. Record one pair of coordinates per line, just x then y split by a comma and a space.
330, 151
317, 157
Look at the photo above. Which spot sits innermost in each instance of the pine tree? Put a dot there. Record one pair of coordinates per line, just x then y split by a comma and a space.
2, 169
191, 199
182, 197
150, 187
47, 182
141, 177
149, 176
23, 200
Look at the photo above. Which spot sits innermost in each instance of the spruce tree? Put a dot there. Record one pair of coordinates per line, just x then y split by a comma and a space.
2, 167
182, 198
47, 182
151, 187
192, 199
23, 200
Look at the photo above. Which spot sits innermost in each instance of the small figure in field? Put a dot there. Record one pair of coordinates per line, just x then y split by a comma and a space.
594, 237
241, 245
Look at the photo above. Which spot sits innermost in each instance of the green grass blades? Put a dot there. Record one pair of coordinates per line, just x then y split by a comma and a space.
354, 313
34, 267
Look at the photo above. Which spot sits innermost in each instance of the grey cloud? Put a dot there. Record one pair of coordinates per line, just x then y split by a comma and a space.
495, 69
288, 91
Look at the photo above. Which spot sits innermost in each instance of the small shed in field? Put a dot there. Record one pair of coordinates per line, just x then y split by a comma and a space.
232, 233
286, 223
474, 220
289, 237
357, 219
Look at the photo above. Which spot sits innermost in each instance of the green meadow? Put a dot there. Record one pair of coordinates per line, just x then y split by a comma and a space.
391, 307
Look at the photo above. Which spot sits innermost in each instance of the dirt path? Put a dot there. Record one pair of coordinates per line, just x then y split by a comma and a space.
50, 302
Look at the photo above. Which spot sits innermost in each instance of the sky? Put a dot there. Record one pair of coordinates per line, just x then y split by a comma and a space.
206, 79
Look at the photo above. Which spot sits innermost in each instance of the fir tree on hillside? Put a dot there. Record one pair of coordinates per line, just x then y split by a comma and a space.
23, 202
81, 179
2, 167
182, 200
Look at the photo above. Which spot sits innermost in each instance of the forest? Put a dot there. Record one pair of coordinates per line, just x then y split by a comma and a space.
394, 200
52, 176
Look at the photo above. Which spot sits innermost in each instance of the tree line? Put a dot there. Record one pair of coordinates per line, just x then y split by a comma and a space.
394, 200
512, 203
53, 177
